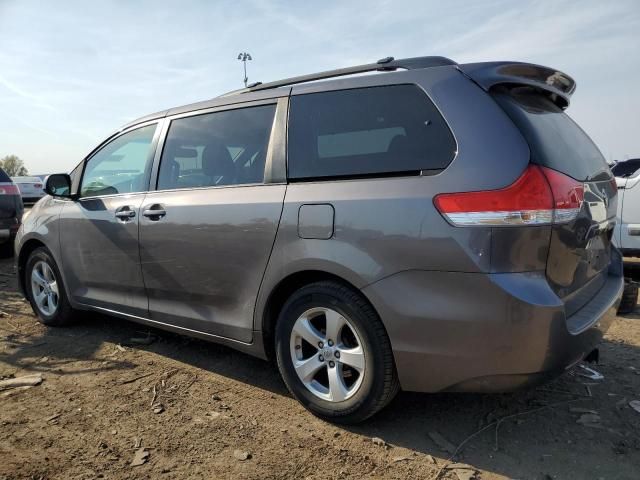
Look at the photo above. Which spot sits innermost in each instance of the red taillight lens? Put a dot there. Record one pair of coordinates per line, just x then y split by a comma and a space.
568, 195
9, 190
539, 196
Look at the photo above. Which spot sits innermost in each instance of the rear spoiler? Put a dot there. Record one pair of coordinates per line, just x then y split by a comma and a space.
558, 85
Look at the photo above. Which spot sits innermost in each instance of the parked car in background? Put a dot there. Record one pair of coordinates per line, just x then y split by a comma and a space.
434, 227
627, 232
626, 168
11, 209
31, 188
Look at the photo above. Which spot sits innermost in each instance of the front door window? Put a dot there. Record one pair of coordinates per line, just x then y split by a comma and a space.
121, 166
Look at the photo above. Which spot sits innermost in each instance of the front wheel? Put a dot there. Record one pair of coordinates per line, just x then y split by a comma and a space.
334, 354
45, 290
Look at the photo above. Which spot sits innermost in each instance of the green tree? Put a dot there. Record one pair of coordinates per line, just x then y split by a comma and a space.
13, 166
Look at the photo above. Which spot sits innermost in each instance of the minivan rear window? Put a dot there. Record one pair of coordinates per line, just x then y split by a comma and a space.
366, 132
555, 140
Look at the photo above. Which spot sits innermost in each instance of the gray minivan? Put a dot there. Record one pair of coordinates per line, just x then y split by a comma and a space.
431, 227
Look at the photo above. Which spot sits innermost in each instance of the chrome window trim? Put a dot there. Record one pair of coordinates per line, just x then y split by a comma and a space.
214, 187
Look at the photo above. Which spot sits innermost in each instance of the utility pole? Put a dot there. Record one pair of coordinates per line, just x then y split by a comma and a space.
244, 56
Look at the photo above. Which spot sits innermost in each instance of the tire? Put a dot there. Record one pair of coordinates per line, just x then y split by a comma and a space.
629, 298
361, 341
632, 271
63, 314
6, 250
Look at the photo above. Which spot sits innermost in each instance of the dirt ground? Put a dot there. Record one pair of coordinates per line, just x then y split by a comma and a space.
198, 410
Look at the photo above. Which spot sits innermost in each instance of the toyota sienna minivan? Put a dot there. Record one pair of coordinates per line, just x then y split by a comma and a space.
430, 227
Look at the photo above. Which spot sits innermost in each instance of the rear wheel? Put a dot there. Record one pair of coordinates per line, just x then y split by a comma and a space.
334, 354
45, 290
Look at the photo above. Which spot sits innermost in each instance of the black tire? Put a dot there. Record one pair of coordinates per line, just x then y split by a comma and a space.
6, 250
64, 314
632, 271
379, 382
629, 298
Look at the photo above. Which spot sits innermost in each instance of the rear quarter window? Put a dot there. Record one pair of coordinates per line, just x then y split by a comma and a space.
554, 139
366, 132
4, 178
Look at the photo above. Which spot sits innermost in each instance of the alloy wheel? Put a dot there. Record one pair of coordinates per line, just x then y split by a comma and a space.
327, 354
44, 288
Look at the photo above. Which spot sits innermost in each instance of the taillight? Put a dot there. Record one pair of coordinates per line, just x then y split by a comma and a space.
37, 185
568, 195
9, 190
539, 196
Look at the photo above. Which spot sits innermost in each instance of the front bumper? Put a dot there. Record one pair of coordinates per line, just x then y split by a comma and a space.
487, 332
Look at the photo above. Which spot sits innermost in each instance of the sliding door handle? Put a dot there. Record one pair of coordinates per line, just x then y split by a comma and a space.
154, 212
125, 213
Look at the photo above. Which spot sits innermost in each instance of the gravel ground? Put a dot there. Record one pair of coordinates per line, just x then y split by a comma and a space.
183, 408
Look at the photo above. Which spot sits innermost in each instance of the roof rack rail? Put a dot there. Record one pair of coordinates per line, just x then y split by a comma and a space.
383, 65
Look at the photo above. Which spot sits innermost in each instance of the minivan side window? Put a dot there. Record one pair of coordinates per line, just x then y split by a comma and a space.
372, 131
121, 166
217, 149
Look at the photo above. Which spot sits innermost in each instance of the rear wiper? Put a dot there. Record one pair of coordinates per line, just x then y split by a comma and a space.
596, 175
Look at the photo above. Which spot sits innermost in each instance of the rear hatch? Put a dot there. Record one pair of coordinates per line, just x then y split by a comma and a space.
579, 251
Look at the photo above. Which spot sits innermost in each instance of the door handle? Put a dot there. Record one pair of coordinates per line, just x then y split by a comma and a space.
154, 212
125, 213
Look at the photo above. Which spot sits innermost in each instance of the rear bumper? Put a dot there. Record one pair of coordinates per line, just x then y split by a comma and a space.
487, 332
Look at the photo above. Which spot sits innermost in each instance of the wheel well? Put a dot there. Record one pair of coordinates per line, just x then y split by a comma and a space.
282, 292
25, 251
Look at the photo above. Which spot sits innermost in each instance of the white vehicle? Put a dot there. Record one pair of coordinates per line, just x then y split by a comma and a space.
627, 232
626, 235
31, 188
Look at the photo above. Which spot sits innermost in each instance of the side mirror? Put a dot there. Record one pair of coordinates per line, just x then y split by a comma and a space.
58, 185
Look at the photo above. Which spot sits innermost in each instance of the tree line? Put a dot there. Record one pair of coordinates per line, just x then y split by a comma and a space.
13, 165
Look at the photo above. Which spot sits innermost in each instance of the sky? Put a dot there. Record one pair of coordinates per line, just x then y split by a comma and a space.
72, 72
